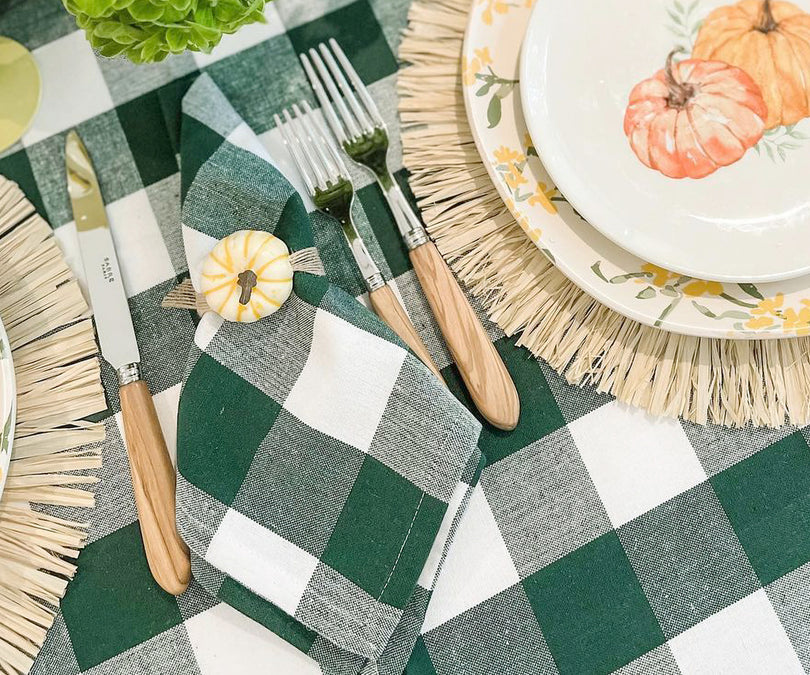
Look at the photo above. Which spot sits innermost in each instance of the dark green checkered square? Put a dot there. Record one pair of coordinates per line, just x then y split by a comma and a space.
539, 414
16, 167
385, 229
592, 609
224, 445
171, 98
419, 662
114, 603
767, 499
387, 522
357, 30
148, 136
206, 142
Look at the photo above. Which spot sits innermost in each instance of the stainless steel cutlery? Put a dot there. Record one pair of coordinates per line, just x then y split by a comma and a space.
360, 129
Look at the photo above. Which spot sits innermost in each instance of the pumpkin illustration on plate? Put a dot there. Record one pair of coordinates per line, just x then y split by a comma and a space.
771, 42
693, 117
247, 276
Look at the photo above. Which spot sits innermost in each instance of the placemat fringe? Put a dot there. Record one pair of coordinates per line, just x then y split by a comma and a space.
58, 385
728, 382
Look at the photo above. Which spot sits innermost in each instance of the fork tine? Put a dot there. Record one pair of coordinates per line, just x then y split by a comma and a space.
357, 83
317, 143
348, 94
292, 146
326, 105
300, 135
326, 78
326, 142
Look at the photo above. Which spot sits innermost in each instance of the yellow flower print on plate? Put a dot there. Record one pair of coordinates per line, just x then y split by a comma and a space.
470, 68
494, 7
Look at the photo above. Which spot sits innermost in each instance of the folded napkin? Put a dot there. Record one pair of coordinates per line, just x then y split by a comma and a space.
322, 468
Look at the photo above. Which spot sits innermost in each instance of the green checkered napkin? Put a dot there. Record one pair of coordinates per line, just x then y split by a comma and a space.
322, 467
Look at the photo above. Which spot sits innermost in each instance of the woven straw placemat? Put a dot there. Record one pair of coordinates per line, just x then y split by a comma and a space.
729, 382
55, 450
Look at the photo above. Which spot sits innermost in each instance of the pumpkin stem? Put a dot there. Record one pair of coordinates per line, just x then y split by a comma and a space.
766, 21
679, 93
247, 280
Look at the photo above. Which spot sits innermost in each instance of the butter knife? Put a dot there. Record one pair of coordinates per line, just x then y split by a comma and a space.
153, 476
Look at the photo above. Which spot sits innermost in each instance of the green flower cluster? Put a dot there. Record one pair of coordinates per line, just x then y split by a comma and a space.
150, 30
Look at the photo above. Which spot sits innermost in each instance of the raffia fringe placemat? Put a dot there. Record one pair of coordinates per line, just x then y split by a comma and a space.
729, 382
58, 385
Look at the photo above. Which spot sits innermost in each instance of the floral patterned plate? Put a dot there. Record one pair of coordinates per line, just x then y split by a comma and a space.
622, 281
7, 406
651, 134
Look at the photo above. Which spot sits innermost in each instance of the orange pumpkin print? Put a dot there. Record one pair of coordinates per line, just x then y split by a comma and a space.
693, 117
771, 42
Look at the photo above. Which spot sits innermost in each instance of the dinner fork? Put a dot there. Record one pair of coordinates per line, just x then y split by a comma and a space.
361, 131
327, 181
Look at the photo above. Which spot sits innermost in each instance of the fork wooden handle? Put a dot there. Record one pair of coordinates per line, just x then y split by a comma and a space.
487, 379
386, 305
153, 480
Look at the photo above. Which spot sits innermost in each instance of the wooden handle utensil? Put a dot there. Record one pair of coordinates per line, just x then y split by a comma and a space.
487, 379
153, 480
386, 305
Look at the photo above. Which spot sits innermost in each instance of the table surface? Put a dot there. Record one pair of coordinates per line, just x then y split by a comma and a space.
598, 537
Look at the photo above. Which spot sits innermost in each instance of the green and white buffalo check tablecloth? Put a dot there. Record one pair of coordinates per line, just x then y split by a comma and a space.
596, 539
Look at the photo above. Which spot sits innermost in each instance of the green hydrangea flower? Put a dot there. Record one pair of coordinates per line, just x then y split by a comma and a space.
150, 30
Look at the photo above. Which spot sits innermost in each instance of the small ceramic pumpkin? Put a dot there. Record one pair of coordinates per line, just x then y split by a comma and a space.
693, 117
247, 276
771, 42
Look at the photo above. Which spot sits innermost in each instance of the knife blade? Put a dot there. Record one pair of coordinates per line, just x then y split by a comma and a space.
116, 334
153, 476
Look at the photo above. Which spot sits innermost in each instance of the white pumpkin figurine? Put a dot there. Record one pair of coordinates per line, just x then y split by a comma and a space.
247, 276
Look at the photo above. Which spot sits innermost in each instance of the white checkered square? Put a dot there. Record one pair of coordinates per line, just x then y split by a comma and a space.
745, 638
67, 101
245, 37
477, 567
143, 255
635, 460
166, 404
346, 382
197, 246
68, 240
207, 329
261, 560
227, 641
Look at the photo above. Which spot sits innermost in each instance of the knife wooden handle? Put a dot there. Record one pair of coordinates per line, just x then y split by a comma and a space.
488, 381
386, 305
153, 480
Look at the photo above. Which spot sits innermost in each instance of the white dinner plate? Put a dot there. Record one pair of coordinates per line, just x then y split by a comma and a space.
701, 170
624, 282
7, 406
